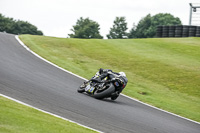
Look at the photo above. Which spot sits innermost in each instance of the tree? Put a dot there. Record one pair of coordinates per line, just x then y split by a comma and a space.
12, 26
25, 28
86, 28
6, 24
143, 27
163, 19
147, 25
119, 29
132, 33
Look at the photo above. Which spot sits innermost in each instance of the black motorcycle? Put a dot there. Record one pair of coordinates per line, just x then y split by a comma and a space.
99, 90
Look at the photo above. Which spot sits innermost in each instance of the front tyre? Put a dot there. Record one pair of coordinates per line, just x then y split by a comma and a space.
81, 89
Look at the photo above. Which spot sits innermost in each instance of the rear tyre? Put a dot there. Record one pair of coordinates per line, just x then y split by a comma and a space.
106, 93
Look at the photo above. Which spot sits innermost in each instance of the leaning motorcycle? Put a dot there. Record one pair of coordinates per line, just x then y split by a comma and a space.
99, 90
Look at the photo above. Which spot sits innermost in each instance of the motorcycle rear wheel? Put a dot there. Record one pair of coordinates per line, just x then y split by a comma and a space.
106, 93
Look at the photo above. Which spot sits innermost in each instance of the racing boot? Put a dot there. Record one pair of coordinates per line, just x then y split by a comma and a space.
114, 95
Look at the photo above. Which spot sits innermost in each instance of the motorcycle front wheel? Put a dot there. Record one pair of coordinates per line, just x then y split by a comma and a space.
81, 88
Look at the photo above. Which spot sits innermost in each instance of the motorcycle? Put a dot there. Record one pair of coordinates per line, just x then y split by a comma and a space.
99, 90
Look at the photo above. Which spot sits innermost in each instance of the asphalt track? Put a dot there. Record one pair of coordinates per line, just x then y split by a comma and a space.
27, 78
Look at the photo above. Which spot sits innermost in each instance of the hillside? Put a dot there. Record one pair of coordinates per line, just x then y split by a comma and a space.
163, 72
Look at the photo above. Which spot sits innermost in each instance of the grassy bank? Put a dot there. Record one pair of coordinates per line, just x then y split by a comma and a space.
17, 118
162, 72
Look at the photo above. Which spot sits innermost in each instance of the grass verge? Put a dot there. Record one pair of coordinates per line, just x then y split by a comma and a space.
17, 118
162, 72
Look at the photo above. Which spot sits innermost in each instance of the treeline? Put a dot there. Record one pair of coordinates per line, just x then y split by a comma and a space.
9, 25
86, 28
146, 28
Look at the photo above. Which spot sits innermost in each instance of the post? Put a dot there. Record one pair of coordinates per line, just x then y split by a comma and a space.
190, 19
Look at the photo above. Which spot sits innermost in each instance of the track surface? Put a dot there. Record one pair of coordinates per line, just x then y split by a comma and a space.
27, 78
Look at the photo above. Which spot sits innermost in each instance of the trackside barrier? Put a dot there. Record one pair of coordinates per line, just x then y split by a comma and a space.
177, 31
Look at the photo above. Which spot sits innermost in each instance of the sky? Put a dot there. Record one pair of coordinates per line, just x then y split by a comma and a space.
57, 17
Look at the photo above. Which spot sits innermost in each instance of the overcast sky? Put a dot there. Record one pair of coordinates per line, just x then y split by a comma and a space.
56, 17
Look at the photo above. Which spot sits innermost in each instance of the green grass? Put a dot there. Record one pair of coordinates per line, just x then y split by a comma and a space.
163, 72
17, 118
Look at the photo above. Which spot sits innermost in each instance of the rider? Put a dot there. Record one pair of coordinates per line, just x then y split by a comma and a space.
112, 77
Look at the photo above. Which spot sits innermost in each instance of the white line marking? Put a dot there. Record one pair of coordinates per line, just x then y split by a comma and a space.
45, 59
160, 109
20, 102
86, 79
